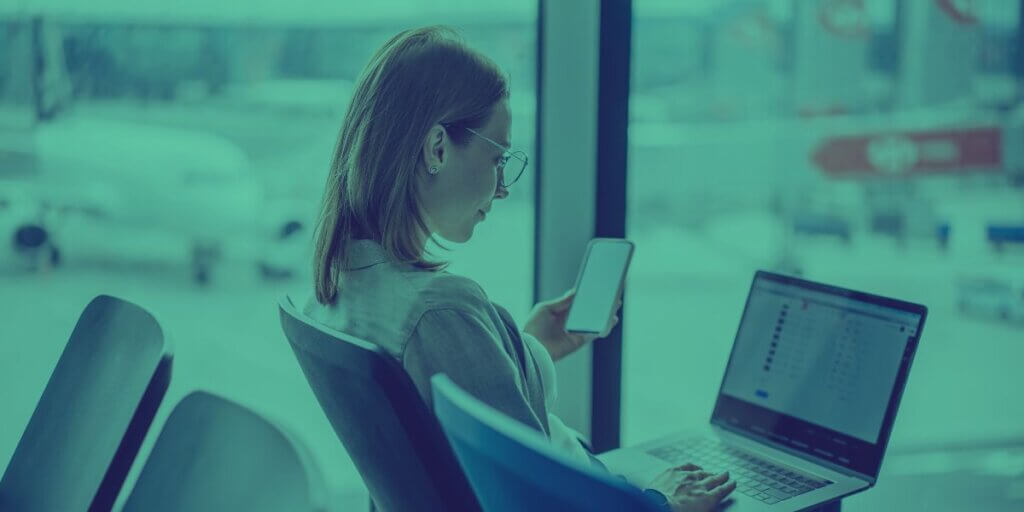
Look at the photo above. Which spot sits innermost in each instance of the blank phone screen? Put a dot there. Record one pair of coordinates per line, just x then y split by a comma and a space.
598, 287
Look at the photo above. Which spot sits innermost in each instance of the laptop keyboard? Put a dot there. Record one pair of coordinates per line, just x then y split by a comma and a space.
755, 477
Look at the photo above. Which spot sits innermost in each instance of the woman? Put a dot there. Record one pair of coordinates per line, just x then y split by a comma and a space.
423, 152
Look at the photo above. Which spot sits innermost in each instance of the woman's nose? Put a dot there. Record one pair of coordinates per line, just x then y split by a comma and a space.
501, 192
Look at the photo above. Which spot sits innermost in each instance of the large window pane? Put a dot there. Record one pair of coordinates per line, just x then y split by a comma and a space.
176, 157
875, 145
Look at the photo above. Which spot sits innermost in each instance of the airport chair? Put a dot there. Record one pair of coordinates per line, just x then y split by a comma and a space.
93, 414
216, 455
513, 468
392, 437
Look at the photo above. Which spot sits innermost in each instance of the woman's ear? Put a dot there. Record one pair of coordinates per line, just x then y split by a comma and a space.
434, 153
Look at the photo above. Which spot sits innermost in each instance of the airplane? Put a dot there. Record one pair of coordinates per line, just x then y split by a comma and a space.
64, 171
73, 174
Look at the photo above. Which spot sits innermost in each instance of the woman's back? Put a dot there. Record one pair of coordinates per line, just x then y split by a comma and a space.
436, 322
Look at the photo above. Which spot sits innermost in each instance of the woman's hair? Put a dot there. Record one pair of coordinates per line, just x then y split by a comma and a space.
420, 78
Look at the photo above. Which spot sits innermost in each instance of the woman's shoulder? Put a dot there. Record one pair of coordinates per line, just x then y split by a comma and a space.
444, 290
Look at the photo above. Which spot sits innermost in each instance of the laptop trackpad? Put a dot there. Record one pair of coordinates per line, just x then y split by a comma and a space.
636, 466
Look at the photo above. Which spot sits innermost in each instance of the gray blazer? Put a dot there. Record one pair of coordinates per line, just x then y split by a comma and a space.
437, 322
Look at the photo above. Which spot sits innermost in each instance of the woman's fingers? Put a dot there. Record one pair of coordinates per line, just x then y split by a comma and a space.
719, 493
711, 481
689, 466
693, 478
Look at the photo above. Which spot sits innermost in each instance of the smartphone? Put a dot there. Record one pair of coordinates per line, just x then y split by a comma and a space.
599, 285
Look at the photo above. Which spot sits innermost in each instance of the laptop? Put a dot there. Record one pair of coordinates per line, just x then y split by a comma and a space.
807, 402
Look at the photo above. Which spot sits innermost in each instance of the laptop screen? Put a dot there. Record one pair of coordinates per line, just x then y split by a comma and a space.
819, 369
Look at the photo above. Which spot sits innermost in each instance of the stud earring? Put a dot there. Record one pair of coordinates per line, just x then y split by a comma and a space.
433, 169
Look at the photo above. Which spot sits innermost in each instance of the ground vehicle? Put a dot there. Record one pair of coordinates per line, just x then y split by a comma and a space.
991, 297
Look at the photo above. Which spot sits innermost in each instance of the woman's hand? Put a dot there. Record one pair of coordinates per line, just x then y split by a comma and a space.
689, 489
547, 324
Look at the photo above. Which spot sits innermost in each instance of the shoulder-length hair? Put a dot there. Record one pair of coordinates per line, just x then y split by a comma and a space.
418, 79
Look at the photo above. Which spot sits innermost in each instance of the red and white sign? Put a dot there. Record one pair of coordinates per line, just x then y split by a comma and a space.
756, 30
964, 12
912, 153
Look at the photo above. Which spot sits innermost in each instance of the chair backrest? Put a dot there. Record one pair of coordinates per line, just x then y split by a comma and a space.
513, 468
392, 437
216, 455
93, 414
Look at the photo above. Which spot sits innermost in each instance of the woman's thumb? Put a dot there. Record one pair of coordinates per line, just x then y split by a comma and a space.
562, 303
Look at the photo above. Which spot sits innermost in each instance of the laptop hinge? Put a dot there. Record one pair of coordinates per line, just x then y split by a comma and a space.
796, 453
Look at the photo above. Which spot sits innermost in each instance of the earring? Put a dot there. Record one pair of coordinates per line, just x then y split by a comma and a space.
433, 169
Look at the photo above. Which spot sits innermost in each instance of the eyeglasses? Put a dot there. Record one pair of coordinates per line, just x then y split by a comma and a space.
511, 171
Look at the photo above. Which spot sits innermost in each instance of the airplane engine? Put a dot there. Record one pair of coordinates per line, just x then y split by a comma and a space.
32, 246
29, 237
